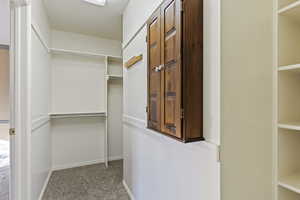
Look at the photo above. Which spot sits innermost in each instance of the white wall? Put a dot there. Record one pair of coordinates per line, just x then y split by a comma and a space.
247, 100
85, 43
77, 84
77, 142
156, 166
4, 22
40, 102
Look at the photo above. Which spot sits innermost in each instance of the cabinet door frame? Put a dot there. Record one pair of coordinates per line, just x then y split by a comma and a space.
150, 125
177, 115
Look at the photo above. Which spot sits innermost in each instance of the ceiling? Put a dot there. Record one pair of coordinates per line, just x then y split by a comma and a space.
80, 17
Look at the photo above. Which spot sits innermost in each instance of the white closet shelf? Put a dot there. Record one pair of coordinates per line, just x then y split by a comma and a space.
114, 77
291, 10
115, 59
77, 115
290, 125
81, 53
291, 68
291, 182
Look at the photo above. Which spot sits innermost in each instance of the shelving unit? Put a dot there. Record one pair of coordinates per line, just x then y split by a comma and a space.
80, 53
113, 71
287, 138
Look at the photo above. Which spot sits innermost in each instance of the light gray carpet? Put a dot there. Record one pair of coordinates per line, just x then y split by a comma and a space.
4, 183
4, 170
93, 182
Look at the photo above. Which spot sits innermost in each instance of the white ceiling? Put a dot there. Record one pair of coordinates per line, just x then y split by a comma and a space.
77, 16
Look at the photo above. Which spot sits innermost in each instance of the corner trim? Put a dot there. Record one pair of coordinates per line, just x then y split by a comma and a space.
39, 122
45, 185
128, 190
139, 123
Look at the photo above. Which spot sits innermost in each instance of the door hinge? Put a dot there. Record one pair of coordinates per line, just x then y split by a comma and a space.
146, 39
147, 109
182, 114
12, 131
219, 154
182, 6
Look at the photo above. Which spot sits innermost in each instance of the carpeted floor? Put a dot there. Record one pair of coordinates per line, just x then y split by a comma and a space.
4, 170
4, 183
93, 182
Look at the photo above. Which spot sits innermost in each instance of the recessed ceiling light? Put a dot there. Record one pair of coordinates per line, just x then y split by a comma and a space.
96, 2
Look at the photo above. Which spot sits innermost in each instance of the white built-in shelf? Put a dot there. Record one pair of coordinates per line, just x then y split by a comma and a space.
291, 182
290, 68
81, 53
292, 10
114, 77
77, 115
290, 125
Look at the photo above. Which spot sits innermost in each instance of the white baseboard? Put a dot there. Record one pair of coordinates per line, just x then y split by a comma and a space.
128, 190
45, 185
113, 158
85, 163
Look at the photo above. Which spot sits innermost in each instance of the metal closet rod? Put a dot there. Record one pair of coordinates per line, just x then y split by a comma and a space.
76, 115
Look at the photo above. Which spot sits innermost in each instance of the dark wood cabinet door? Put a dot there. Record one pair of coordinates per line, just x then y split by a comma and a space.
171, 70
154, 75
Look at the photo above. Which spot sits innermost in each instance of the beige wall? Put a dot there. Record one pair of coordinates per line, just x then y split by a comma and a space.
4, 84
4, 91
246, 85
4, 22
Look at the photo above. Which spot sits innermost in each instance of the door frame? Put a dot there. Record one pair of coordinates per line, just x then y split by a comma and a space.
20, 183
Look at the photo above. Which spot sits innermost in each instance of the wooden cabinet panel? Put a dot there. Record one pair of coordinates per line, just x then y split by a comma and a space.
154, 86
171, 72
175, 69
192, 58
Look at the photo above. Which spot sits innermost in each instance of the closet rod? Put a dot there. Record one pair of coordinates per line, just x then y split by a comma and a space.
64, 51
76, 115
4, 121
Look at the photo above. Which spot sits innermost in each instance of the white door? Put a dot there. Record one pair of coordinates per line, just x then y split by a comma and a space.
19, 107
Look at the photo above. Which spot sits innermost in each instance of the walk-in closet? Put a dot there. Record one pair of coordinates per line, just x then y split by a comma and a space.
76, 90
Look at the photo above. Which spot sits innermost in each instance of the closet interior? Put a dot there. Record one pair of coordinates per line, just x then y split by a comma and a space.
288, 73
77, 85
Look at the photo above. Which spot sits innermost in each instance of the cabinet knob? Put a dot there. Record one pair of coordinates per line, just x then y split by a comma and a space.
161, 67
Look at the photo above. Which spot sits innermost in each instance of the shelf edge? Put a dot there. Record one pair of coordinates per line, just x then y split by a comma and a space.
289, 187
289, 7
